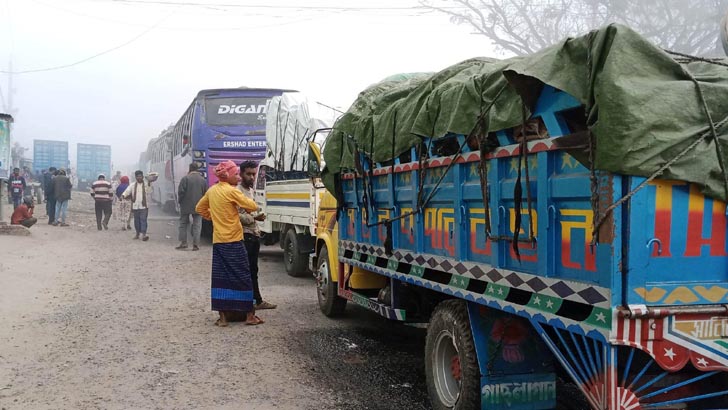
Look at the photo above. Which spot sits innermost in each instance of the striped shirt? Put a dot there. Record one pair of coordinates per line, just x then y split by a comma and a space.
101, 191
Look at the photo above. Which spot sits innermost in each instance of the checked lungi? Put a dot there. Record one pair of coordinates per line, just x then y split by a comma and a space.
232, 286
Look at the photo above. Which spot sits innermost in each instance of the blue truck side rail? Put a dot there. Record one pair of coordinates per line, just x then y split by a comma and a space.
649, 289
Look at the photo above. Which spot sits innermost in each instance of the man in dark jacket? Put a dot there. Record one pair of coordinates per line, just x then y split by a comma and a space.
62, 190
192, 188
16, 187
49, 196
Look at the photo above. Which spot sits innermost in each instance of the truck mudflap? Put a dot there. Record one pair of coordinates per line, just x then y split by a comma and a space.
673, 361
517, 371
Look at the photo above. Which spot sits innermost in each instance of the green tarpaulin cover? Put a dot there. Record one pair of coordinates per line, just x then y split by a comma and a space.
643, 106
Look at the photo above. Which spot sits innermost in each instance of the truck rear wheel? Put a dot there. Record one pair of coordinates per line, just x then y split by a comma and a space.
451, 364
296, 262
329, 301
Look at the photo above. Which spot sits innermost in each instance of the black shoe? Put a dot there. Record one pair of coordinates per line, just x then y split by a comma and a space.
99, 228
195, 248
106, 227
181, 246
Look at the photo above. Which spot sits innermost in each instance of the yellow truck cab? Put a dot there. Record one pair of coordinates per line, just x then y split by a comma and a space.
324, 261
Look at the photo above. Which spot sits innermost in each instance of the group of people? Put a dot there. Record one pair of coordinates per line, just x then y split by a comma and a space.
132, 202
130, 199
229, 204
57, 190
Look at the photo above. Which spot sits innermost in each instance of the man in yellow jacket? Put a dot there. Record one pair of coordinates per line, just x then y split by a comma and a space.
232, 287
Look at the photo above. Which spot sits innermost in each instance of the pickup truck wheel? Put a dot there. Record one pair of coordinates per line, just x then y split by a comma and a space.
329, 302
451, 364
296, 262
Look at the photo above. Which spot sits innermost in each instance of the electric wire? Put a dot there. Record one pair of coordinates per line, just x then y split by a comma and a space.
107, 51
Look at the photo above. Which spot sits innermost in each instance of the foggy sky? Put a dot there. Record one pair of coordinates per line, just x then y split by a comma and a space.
126, 97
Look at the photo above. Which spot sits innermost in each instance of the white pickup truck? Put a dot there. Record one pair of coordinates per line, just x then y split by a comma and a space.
283, 189
291, 206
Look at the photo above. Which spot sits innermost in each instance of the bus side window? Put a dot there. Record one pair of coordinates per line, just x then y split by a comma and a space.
260, 183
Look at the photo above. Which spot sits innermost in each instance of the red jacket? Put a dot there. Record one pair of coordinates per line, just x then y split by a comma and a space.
20, 214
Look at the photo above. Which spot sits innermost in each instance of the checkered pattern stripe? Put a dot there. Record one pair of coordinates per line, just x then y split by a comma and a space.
566, 290
556, 312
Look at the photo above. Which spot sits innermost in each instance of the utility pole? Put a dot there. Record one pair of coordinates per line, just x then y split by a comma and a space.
8, 100
10, 87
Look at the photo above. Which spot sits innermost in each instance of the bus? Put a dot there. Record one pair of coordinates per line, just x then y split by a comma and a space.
157, 160
219, 125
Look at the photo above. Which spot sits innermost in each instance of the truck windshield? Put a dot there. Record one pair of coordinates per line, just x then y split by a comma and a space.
236, 111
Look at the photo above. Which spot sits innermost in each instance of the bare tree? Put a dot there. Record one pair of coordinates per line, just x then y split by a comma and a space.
525, 26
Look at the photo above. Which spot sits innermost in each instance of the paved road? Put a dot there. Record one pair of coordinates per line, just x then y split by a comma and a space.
96, 320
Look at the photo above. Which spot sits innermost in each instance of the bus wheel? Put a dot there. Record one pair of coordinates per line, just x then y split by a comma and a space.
451, 364
329, 302
296, 262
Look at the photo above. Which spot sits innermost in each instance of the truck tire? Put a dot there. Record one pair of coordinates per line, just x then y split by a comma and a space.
329, 302
451, 363
296, 262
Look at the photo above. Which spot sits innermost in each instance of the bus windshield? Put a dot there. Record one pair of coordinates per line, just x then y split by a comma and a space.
248, 111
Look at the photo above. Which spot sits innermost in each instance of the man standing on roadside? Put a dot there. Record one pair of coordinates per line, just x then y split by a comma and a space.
191, 189
16, 187
251, 232
62, 190
231, 288
138, 192
50, 196
103, 197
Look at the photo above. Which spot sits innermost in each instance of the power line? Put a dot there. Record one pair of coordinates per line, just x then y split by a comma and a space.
417, 13
137, 37
266, 6
187, 29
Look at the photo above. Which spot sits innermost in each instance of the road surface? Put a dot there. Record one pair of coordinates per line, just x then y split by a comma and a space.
95, 320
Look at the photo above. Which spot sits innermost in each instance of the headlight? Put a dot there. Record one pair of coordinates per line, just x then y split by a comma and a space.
200, 164
198, 154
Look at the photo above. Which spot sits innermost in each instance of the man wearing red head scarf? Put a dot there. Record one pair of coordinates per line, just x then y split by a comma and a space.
232, 286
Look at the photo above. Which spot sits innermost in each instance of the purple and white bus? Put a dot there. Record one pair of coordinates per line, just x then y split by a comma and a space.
219, 125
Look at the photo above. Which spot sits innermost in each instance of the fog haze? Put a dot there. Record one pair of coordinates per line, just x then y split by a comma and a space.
329, 49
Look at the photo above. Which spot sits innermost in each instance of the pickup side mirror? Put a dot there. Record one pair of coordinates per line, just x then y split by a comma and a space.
314, 159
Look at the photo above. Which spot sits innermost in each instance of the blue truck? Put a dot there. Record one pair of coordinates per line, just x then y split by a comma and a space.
92, 160
48, 153
536, 270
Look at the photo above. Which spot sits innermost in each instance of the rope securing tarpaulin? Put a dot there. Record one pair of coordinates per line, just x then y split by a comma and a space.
644, 108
